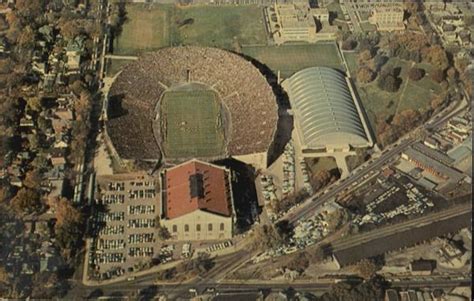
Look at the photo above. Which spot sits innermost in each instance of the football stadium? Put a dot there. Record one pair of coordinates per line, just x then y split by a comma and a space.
189, 102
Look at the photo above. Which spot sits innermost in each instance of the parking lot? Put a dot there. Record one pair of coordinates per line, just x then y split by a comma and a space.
126, 237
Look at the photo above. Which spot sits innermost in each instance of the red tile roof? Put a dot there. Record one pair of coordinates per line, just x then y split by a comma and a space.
211, 190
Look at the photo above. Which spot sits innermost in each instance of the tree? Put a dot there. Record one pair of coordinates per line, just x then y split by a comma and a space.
349, 44
416, 74
163, 233
32, 179
266, 237
437, 101
26, 38
69, 224
437, 57
299, 262
437, 75
4, 275
65, 213
364, 56
452, 74
366, 268
336, 219
26, 201
365, 75
389, 83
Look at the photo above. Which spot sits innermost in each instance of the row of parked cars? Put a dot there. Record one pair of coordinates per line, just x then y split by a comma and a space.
111, 216
141, 238
219, 246
112, 230
141, 209
109, 199
141, 223
140, 252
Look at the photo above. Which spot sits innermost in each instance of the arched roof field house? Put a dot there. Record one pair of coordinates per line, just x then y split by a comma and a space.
327, 115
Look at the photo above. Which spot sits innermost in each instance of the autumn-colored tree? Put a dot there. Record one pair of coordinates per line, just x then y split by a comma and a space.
266, 237
349, 44
437, 56
364, 56
452, 74
406, 120
32, 179
70, 28
82, 105
4, 275
437, 101
365, 75
366, 268
26, 38
77, 87
437, 75
26, 201
416, 74
66, 213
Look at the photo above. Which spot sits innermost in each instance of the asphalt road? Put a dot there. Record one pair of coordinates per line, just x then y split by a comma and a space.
183, 291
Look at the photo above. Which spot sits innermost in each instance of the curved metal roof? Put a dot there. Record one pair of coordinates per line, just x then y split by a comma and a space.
325, 109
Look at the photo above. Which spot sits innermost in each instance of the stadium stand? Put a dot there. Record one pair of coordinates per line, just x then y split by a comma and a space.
243, 90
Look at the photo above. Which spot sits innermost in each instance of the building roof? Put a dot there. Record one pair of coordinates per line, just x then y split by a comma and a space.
422, 265
378, 246
196, 185
325, 109
434, 154
428, 162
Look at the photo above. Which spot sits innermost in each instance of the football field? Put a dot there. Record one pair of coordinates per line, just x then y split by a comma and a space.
192, 124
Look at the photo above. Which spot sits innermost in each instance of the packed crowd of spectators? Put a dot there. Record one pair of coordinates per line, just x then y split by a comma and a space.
243, 89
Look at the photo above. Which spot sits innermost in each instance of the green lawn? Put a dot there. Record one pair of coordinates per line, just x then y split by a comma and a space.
411, 95
290, 58
149, 27
115, 65
146, 28
192, 124
221, 26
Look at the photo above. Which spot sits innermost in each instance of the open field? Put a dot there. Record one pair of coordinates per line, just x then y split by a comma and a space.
146, 28
153, 26
221, 26
192, 124
290, 58
411, 95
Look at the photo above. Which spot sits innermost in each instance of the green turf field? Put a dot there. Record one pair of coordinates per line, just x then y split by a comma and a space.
146, 28
290, 58
221, 26
192, 124
152, 26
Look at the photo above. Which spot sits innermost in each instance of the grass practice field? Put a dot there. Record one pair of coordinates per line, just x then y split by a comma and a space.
290, 58
152, 26
145, 28
193, 127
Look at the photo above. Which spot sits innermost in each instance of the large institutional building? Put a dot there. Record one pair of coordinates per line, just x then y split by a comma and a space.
196, 201
328, 117
389, 18
297, 22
